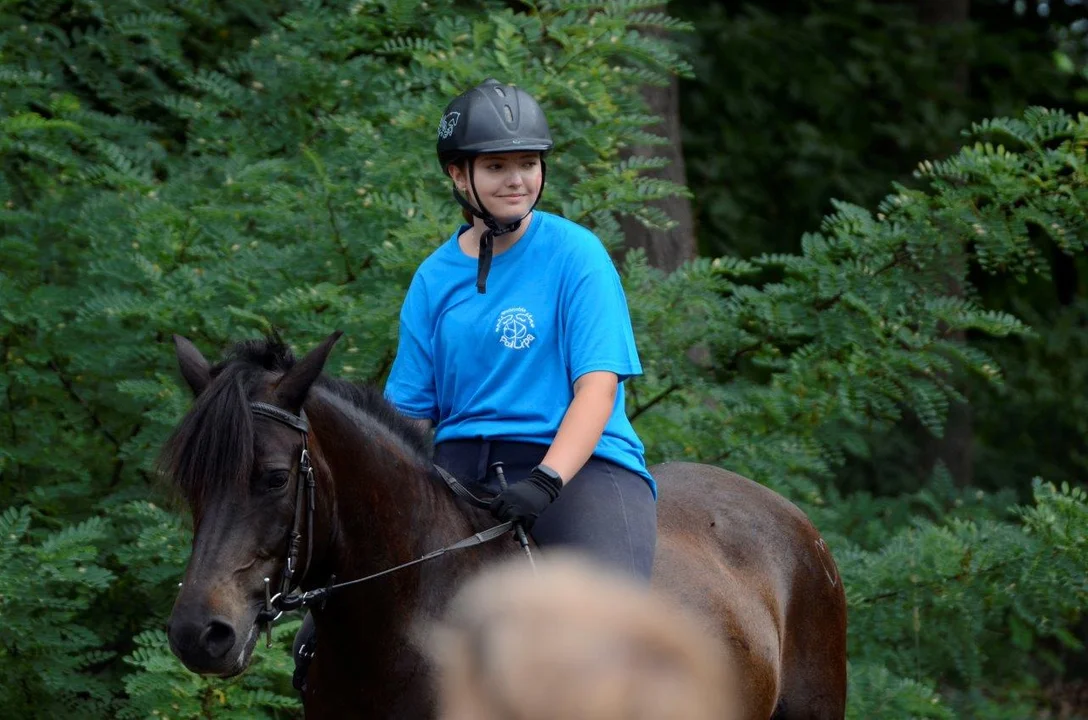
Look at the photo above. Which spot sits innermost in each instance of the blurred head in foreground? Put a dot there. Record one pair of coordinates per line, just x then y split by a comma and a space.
573, 641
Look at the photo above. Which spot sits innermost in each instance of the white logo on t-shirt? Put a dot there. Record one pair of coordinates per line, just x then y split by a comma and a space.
513, 328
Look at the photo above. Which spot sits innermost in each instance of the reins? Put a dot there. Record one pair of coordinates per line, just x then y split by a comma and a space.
320, 595
276, 604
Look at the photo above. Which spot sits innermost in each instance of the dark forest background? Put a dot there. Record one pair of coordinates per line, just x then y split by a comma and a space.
852, 235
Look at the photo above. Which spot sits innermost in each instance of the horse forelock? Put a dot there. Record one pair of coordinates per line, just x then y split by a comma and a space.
268, 353
213, 444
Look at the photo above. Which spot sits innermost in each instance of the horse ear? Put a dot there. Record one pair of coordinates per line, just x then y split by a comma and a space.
293, 386
194, 368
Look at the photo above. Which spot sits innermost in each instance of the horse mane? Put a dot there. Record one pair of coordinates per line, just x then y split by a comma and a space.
372, 401
215, 438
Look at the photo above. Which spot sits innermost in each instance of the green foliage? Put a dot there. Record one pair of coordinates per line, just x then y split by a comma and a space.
805, 102
796, 105
1042, 409
867, 521
1069, 32
48, 651
68, 595
793, 106
176, 167
811, 352
956, 592
163, 687
876, 692
82, 92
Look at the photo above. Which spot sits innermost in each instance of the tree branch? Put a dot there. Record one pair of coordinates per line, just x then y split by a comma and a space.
958, 577
735, 358
119, 464
340, 247
383, 367
829, 302
84, 404
655, 400
4, 348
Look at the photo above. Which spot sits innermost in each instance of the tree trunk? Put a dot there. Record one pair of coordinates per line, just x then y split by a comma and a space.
665, 249
948, 12
939, 12
956, 448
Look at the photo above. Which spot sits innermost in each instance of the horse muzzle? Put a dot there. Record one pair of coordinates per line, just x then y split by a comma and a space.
211, 644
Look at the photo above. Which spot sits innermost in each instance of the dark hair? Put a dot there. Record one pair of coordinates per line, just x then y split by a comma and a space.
462, 163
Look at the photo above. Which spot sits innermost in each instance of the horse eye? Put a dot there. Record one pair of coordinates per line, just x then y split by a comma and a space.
277, 479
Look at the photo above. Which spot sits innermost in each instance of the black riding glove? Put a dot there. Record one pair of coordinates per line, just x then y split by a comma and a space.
523, 501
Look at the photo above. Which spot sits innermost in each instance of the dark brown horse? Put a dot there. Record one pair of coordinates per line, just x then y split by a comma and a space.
748, 560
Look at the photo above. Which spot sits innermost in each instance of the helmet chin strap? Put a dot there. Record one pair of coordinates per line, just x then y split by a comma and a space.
494, 227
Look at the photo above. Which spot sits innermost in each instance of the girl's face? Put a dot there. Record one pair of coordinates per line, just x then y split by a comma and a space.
507, 183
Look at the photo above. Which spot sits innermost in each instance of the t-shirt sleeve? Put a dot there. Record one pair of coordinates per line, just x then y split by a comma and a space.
411, 384
598, 324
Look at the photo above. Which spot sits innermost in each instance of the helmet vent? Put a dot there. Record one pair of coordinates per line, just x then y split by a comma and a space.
500, 91
509, 113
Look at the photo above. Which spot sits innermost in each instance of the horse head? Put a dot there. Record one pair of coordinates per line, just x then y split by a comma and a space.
241, 468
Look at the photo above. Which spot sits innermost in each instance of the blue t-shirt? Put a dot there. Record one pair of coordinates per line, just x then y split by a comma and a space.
503, 364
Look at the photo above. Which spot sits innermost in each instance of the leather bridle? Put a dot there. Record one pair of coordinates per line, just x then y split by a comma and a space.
305, 485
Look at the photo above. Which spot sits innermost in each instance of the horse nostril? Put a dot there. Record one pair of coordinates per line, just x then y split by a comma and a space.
217, 638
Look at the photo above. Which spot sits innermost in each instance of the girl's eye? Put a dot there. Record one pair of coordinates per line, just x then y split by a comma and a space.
277, 479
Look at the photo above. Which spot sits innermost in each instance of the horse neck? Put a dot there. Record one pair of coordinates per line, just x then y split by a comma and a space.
384, 507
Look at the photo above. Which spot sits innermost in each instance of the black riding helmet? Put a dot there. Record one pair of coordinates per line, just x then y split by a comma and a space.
491, 118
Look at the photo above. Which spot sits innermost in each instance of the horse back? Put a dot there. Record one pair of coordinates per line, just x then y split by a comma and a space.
755, 568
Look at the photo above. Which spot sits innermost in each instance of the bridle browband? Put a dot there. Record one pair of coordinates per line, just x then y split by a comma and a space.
284, 600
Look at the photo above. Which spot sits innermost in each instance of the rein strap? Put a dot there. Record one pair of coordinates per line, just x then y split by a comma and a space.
319, 595
460, 490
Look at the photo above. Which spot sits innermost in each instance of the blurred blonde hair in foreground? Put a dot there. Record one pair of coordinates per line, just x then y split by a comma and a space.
577, 642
